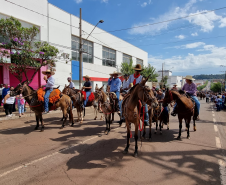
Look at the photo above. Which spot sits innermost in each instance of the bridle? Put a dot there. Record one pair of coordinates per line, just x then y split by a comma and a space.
147, 95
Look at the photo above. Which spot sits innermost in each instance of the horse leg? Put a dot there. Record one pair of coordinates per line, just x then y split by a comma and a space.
160, 126
156, 129
188, 126
84, 112
41, 120
136, 138
144, 132
194, 125
113, 116
128, 138
81, 117
70, 112
168, 122
95, 113
37, 121
65, 118
180, 127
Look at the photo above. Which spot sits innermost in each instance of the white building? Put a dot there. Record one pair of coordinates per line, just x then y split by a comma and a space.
104, 52
172, 80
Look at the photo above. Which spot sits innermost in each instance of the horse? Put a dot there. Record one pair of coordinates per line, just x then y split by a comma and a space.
185, 108
31, 98
107, 106
78, 102
130, 107
159, 116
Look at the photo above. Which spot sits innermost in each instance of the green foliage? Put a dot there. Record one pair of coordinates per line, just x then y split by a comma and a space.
211, 76
149, 70
23, 49
202, 86
216, 87
127, 68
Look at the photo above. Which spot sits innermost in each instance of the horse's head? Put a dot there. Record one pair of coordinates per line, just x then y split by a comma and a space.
66, 90
145, 94
19, 89
168, 97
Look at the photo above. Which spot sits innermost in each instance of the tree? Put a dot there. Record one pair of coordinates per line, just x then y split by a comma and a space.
150, 70
127, 68
24, 51
216, 87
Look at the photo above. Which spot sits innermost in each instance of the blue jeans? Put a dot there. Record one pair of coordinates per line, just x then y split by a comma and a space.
46, 99
146, 119
20, 107
87, 98
196, 102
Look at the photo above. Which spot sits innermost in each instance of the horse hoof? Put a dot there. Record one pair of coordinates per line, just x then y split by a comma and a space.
168, 128
106, 132
72, 125
95, 118
135, 154
125, 151
161, 133
155, 132
42, 130
188, 137
194, 128
186, 129
36, 128
61, 127
178, 138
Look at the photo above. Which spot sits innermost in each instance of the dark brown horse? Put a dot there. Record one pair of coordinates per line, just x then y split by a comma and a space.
185, 109
38, 107
130, 106
78, 102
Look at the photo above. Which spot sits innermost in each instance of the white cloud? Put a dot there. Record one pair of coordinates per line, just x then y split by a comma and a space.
78, 1
223, 22
214, 57
104, 1
194, 34
144, 4
180, 37
194, 45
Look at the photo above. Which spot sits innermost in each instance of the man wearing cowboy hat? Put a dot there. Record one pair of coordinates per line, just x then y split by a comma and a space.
50, 81
189, 88
174, 87
115, 84
71, 84
87, 87
135, 79
125, 83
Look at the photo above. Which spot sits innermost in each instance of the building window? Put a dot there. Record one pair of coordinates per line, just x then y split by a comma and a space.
127, 58
139, 61
109, 57
87, 47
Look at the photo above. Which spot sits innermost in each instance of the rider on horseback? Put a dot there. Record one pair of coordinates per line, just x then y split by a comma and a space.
135, 79
71, 84
87, 87
115, 84
190, 89
160, 96
125, 84
50, 81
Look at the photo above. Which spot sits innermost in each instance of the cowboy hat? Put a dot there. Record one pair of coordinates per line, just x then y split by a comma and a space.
175, 85
86, 77
138, 67
188, 77
48, 71
115, 73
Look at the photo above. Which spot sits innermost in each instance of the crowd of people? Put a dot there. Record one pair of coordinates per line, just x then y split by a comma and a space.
217, 98
9, 102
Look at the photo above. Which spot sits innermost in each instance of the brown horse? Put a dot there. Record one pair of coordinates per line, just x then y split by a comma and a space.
32, 99
130, 107
78, 102
107, 106
185, 109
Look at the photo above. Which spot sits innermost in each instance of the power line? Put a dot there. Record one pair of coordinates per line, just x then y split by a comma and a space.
40, 13
170, 20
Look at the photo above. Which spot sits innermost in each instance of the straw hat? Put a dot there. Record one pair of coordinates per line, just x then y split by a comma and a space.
115, 73
48, 71
86, 77
188, 77
138, 67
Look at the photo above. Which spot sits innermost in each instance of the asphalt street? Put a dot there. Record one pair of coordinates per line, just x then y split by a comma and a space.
84, 155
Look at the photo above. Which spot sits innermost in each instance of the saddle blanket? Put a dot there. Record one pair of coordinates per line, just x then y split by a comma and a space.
91, 97
53, 97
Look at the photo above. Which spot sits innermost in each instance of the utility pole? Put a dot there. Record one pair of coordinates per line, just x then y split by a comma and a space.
224, 80
80, 50
162, 77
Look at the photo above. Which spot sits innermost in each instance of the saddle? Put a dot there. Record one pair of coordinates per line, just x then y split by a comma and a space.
54, 96
90, 100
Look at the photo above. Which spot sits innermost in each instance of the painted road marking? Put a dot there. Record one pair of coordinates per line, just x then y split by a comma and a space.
218, 143
214, 120
222, 169
213, 114
215, 128
50, 155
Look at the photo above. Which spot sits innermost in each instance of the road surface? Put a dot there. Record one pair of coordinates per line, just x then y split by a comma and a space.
84, 155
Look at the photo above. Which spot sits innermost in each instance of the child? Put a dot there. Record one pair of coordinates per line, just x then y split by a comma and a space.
20, 102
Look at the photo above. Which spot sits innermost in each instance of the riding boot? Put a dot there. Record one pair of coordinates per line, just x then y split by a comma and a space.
117, 108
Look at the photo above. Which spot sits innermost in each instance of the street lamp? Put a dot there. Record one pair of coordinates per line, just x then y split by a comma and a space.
100, 21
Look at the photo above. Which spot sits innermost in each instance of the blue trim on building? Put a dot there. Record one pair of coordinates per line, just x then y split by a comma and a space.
75, 70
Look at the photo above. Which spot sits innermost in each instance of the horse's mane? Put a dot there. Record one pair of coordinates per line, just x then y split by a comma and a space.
132, 89
30, 87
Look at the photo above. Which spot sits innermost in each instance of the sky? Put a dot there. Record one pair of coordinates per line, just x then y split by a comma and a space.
187, 46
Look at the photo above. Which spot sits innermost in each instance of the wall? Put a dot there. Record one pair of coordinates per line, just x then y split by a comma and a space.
1, 75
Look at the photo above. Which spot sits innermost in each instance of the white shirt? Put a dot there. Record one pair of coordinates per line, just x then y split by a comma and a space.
138, 80
9, 100
50, 82
72, 85
1, 90
125, 84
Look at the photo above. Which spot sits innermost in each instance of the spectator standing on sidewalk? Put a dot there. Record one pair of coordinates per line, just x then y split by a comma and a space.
207, 97
218, 103
5, 90
20, 103
8, 103
1, 89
